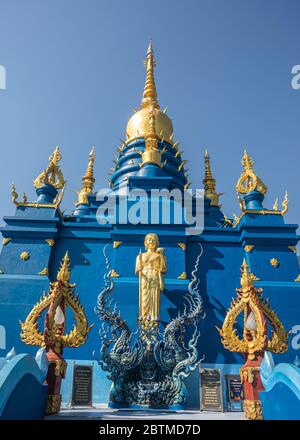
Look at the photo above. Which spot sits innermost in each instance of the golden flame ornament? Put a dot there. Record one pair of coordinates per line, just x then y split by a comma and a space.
52, 175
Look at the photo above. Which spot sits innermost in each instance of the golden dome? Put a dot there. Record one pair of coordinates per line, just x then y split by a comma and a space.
138, 124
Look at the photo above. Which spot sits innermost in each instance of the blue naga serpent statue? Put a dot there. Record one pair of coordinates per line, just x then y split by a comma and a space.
148, 367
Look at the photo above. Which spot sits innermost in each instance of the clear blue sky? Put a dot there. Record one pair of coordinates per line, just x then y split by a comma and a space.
75, 72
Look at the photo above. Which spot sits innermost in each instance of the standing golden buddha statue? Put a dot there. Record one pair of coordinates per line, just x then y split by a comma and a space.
150, 266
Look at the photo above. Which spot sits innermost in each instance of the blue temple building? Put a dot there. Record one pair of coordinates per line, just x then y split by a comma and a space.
37, 237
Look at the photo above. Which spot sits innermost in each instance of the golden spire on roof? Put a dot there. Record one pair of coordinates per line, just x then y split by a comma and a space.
209, 182
52, 175
249, 181
88, 181
138, 124
150, 95
64, 271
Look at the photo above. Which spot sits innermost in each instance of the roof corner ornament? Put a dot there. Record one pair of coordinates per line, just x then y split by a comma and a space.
251, 191
47, 184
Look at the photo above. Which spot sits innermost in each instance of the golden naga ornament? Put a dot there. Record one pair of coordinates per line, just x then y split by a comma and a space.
52, 175
150, 267
24, 202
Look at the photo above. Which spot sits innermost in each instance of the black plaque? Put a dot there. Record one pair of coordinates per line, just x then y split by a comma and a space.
211, 398
82, 385
235, 390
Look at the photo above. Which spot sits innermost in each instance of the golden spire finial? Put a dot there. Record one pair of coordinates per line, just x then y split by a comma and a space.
52, 175
150, 95
246, 161
88, 180
55, 157
64, 271
209, 182
247, 277
249, 181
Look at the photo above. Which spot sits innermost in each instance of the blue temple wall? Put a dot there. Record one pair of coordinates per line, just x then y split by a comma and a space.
85, 239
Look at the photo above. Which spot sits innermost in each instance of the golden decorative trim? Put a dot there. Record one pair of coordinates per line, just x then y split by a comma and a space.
114, 274
183, 276
293, 249
24, 255
248, 374
253, 410
45, 271
6, 240
60, 367
14, 194
151, 153
298, 279
274, 262
117, 244
284, 205
53, 404
249, 247
182, 246
227, 221
50, 242
135, 138
54, 205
